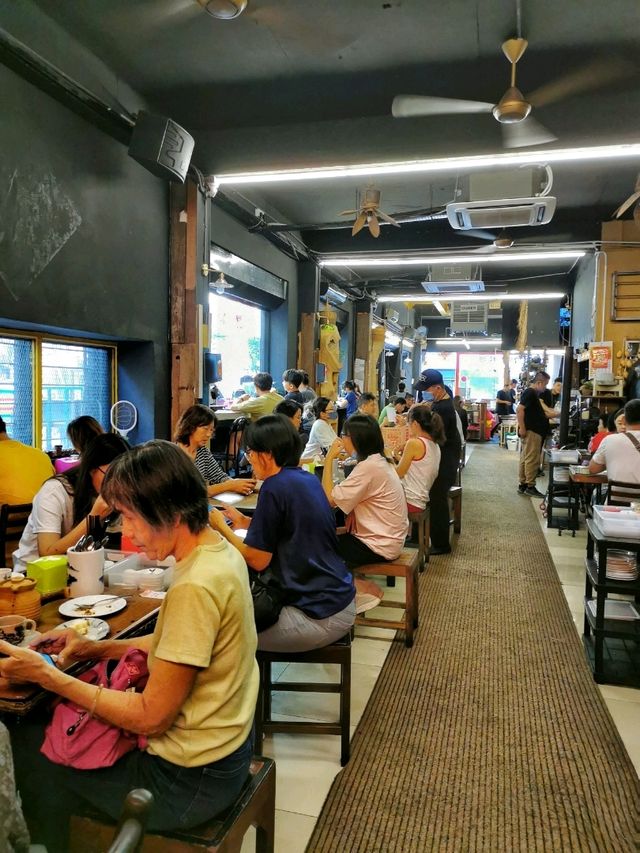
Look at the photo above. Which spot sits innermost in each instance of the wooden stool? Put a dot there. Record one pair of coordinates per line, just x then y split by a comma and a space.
455, 496
421, 520
405, 566
255, 806
338, 652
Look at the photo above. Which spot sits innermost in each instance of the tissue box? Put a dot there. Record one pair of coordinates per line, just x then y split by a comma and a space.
49, 573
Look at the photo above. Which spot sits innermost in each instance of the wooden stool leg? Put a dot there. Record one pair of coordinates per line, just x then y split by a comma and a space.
265, 824
457, 514
345, 711
427, 537
409, 613
259, 715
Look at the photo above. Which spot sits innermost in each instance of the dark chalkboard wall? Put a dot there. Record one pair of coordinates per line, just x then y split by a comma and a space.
84, 241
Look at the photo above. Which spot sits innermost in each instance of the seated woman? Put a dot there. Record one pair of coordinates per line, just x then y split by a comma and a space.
193, 433
60, 509
293, 532
606, 426
322, 435
292, 410
371, 496
83, 430
420, 460
197, 707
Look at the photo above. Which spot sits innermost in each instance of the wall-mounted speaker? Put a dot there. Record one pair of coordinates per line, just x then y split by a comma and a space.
161, 146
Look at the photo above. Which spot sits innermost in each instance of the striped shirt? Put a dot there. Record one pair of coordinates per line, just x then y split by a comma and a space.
211, 472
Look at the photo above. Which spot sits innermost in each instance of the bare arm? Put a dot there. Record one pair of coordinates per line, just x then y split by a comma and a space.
327, 475
254, 557
412, 450
522, 431
244, 487
53, 543
596, 467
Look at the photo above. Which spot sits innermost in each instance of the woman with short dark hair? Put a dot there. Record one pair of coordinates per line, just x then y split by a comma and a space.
196, 710
292, 410
322, 434
193, 433
61, 506
293, 533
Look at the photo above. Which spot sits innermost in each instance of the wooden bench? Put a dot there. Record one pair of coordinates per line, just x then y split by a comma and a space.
255, 806
338, 653
421, 520
13, 519
455, 496
405, 566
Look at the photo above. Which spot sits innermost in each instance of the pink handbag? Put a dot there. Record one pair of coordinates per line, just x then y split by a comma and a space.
76, 739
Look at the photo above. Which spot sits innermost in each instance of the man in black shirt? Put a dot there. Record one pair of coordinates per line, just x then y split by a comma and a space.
432, 382
504, 401
533, 427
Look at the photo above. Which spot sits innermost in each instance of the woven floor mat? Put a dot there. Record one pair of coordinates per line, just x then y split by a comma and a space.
489, 734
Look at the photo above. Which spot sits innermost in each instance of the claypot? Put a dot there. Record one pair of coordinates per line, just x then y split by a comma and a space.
19, 595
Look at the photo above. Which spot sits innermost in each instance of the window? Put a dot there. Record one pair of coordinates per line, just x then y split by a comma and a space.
237, 334
45, 383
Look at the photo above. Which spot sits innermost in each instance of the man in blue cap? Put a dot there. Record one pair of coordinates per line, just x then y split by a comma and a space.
432, 382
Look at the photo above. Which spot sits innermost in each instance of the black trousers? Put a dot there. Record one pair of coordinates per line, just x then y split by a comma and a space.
355, 553
439, 499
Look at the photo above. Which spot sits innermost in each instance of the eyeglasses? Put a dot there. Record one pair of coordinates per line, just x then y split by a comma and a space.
103, 469
248, 451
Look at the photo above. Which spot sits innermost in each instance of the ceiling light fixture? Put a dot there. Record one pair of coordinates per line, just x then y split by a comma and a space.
221, 285
440, 164
223, 10
440, 308
474, 297
470, 258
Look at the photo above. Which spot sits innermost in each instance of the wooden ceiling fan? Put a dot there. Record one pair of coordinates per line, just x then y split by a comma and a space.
368, 213
634, 199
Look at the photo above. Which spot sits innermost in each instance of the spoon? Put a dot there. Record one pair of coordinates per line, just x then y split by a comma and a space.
100, 603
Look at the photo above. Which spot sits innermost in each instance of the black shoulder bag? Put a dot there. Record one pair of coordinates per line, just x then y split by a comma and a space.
268, 598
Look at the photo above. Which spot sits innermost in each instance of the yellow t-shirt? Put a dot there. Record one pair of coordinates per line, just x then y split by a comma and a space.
23, 470
206, 620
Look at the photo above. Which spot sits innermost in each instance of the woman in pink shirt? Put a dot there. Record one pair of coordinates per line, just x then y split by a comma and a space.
371, 497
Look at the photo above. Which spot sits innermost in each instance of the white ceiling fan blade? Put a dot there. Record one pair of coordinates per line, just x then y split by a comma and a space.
626, 205
524, 133
406, 106
349, 212
592, 76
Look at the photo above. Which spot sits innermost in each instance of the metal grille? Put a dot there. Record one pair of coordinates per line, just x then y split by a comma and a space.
76, 380
469, 316
625, 297
16, 387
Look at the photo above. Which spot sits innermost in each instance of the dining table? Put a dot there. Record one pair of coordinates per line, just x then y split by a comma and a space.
137, 619
245, 503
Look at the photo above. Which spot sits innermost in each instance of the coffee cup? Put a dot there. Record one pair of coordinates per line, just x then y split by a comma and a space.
86, 572
14, 628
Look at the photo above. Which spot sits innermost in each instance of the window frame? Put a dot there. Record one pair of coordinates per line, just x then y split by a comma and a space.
40, 338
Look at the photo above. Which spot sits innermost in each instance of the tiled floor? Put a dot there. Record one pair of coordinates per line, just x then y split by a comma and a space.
307, 765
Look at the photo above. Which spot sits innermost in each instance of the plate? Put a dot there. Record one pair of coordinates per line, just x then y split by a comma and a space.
29, 637
98, 628
100, 606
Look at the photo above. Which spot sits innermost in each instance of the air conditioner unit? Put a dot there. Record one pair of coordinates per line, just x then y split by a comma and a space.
501, 213
393, 315
469, 317
461, 278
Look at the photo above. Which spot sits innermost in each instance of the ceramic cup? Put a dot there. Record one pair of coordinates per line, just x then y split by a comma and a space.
5, 574
86, 572
14, 628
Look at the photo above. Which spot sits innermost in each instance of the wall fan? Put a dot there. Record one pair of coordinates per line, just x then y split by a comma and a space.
634, 199
512, 111
368, 212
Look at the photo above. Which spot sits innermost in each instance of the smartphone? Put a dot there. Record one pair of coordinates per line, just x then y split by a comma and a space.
47, 658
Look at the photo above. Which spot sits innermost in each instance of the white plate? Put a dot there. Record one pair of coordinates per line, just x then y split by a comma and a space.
29, 637
98, 628
100, 606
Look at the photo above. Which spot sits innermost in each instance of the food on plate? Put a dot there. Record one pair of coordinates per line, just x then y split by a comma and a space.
81, 626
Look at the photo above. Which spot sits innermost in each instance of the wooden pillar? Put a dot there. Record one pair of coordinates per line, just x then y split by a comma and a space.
183, 302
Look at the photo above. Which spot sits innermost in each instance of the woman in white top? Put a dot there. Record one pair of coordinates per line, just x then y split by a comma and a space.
420, 461
60, 509
322, 434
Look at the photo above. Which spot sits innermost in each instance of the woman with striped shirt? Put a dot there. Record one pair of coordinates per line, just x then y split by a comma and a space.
193, 433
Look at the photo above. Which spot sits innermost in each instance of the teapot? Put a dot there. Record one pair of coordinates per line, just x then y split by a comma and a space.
19, 595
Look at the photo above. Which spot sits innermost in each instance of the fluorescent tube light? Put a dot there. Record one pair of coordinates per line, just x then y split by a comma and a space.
407, 343
440, 164
473, 297
429, 260
440, 308
472, 342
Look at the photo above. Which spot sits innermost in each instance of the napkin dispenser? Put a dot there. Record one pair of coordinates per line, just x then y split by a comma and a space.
49, 573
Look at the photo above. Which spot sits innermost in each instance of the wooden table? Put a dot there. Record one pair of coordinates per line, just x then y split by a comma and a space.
246, 503
586, 483
137, 619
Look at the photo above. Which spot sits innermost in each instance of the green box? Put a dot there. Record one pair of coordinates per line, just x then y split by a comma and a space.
50, 573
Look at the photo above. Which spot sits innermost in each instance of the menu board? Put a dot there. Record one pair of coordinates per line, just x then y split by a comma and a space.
395, 437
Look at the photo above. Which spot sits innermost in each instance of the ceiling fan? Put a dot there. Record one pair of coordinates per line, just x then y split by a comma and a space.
634, 199
513, 110
368, 212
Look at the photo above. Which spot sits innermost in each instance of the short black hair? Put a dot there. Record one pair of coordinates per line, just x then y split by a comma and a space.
614, 418
399, 400
293, 376
3, 426
609, 420
513, 382
305, 377
541, 376
632, 412
320, 405
159, 482
365, 434
288, 408
263, 381
557, 379
402, 386
192, 418
350, 384
275, 435
367, 397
